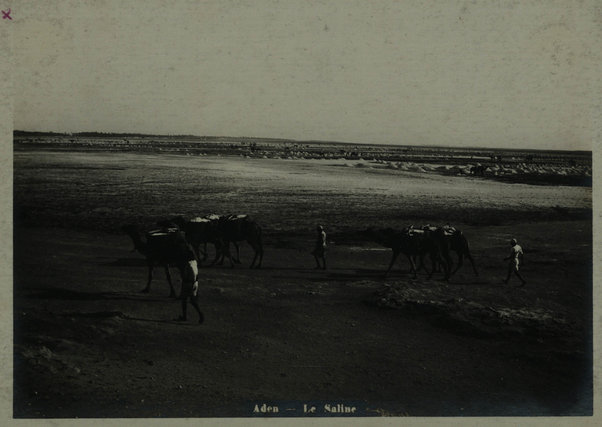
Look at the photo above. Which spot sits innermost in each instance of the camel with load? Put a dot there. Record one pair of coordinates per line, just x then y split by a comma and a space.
161, 247
201, 230
239, 228
413, 244
458, 243
453, 240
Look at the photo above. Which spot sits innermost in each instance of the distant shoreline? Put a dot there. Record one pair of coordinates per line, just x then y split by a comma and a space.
514, 167
245, 139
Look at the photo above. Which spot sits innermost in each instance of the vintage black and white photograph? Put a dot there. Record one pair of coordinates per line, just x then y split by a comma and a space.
282, 209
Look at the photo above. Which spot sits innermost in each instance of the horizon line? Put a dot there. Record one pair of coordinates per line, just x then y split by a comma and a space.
139, 134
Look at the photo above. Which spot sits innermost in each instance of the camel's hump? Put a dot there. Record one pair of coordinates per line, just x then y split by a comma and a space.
199, 219
162, 232
234, 217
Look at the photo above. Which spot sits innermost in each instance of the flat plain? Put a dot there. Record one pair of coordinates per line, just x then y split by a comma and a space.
87, 343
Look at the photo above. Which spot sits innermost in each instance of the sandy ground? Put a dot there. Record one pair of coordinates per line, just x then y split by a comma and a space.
88, 344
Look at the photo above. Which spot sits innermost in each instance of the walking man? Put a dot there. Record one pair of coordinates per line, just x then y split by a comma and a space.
320, 248
190, 284
515, 258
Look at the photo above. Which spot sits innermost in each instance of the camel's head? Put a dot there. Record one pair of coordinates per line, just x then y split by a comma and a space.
130, 229
367, 232
134, 233
377, 233
178, 221
170, 223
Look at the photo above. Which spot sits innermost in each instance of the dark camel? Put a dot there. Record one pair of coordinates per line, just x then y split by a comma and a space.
164, 247
458, 243
238, 228
454, 240
199, 231
413, 245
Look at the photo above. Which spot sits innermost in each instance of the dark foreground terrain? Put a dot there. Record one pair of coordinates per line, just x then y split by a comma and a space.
88, 344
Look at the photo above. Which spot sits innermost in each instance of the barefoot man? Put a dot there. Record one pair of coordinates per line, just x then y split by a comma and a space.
515, 258
190, 284
320, 248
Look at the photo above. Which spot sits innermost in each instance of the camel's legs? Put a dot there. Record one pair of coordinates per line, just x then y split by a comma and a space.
222, 250
450, 265
412, 266
461, 255
150, 278
436, 263
237, 246
219, 257
421, 265
226, 253
229, 254
260, 257
393, 258
258, 249
441, 266
172, 291
460, 263
434, 260
446, 263
474, 268
197, 253
215, 246
438, 260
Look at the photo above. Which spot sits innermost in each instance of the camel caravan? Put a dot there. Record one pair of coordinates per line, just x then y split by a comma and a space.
178, 241
416, 243
166, 245
220, 231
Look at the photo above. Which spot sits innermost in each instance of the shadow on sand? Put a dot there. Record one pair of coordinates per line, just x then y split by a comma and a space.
126, 262
121, 315
350, 275
68, 294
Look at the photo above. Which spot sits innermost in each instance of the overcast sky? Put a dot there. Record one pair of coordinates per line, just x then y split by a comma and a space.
453, 73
